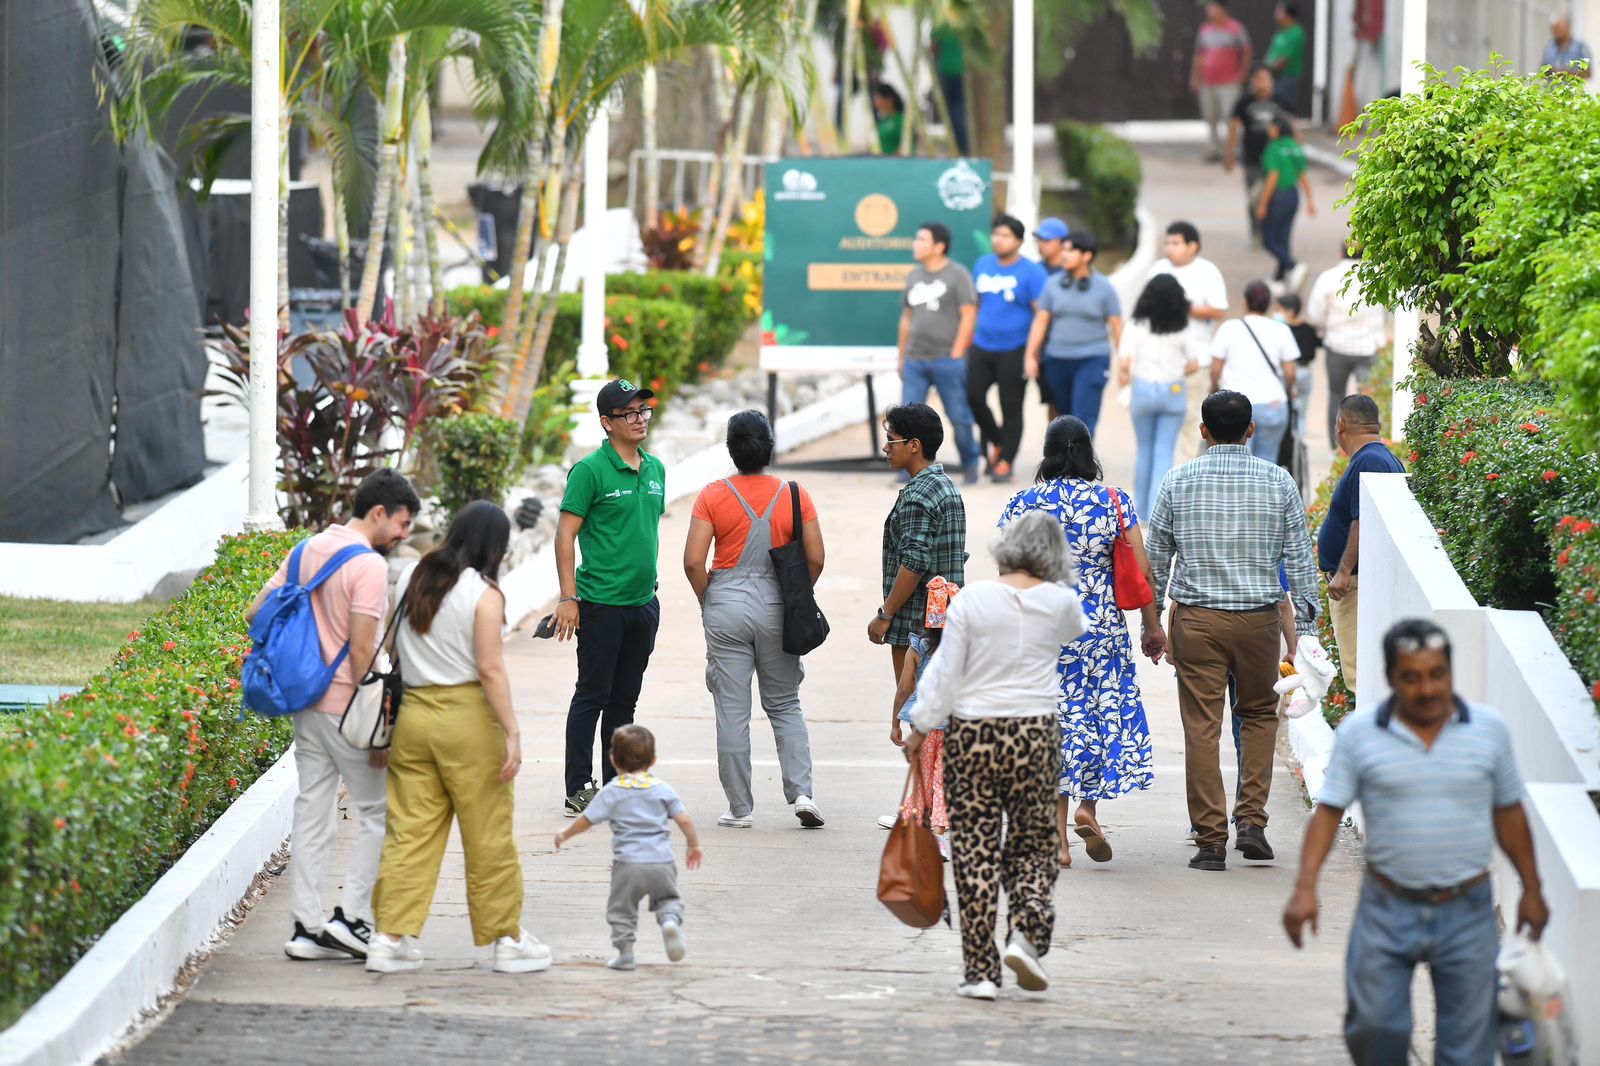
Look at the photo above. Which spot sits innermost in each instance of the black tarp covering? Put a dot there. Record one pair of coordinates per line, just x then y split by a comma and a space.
96, 295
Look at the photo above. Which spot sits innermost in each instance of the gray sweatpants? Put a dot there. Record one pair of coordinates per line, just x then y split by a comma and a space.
744, 637
630, 883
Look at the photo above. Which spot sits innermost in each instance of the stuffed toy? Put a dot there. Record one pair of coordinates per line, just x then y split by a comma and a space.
1312, 674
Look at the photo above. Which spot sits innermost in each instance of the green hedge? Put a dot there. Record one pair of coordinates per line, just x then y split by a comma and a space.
721, 316
1108, 173
476, 457
104, 790
1514, 498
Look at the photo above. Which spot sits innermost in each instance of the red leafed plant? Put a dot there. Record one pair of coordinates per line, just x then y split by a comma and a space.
356, 399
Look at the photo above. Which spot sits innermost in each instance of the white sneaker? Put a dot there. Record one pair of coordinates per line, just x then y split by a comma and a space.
728, 821
313, 946
1297, 277
887, 821
523, 954
1023, 960
350, 934
807, 812
387, 954
623, 961
977, 990
672, 937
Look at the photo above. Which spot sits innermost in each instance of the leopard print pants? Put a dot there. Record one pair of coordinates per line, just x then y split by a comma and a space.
995, 767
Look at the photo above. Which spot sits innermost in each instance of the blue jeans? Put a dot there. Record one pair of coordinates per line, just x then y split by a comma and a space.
1272, 419
1077, 385
1158, 411
949, 376
1277, 227
1458, 940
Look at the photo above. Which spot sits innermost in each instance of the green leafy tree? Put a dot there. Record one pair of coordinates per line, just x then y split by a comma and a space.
1426, 176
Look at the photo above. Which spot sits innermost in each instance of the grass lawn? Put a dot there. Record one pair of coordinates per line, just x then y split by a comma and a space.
49, 642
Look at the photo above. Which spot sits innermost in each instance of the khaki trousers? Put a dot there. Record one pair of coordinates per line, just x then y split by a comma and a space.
1342, 613
1190, 446
1207, 646
445, 764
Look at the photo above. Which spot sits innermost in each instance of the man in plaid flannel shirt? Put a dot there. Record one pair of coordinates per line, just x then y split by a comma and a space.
1221, 528
925, 535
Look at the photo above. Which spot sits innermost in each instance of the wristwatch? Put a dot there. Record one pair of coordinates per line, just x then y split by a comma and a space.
881, 616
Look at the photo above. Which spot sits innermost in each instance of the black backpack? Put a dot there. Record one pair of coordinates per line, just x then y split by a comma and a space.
804, 627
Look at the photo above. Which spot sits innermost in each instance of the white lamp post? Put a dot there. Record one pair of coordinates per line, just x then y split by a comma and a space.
1407, 322
1019, 195
594, 364
265, 63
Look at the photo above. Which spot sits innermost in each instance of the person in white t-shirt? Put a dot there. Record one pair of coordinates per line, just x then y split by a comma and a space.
1353, 331
1256, 356
1203, 283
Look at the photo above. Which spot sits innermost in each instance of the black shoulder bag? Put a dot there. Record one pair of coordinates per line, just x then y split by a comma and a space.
1290, 442
804, 627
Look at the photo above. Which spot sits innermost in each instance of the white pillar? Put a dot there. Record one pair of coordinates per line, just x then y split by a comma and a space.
594, 363
1319, 64
1019, 196
1407, 322
262, 512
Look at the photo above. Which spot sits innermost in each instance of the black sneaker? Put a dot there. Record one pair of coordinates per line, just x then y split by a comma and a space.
579, 801
1212, 858
351, 936
1251, 841
313, 947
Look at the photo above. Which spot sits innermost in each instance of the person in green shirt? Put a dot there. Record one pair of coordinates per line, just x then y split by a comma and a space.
950, 63
612, 511
890, 109
1286, 55
1283, 178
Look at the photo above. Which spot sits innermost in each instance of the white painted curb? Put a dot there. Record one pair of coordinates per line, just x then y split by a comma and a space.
533, 584
138, 959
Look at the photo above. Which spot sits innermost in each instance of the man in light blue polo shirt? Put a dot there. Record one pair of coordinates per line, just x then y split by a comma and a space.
1077, 326
1438, 787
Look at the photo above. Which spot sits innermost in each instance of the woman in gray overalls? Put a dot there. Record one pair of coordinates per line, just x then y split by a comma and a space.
743, 516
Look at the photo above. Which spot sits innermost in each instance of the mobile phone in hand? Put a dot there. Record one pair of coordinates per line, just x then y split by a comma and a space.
546, 627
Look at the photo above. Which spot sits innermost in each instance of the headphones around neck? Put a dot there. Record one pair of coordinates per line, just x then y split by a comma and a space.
1070, 282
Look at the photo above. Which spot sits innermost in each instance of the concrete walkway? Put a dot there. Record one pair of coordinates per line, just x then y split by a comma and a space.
790, 956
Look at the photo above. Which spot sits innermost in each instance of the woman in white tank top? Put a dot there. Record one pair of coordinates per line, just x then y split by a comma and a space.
456, 749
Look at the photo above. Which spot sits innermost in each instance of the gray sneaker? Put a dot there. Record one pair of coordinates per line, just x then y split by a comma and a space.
579, 801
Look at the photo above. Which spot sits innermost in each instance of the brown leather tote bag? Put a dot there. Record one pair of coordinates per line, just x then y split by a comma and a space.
911, 876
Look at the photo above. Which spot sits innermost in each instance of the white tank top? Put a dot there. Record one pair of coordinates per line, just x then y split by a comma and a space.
445, 654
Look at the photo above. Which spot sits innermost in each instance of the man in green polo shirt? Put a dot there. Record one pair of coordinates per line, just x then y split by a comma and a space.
612, 511
1286, 55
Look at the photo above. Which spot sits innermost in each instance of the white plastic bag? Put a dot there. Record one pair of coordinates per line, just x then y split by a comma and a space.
1314, 671
1533, 990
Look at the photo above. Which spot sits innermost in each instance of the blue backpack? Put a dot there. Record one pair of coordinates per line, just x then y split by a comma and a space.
285, 672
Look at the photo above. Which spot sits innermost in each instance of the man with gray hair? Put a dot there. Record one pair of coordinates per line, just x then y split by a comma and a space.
1360, 436
1439, 788
1565, 54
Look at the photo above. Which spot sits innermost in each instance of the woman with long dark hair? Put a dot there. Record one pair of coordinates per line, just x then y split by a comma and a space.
1158, 351
455, 751
1105, 741
737, 521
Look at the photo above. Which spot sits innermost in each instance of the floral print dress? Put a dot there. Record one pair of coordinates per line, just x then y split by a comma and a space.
1105, 741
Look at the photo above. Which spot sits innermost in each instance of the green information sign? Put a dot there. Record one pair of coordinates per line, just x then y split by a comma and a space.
838, 249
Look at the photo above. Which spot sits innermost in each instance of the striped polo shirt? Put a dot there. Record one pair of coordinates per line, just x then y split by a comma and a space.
1429, 813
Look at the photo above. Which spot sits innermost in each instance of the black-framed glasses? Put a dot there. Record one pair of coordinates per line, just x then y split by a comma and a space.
633, 418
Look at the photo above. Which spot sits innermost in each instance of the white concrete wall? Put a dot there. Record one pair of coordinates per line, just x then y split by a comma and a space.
1508, 660
181, 535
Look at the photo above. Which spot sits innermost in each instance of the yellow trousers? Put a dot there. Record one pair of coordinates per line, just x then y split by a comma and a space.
1342, 614
445, 762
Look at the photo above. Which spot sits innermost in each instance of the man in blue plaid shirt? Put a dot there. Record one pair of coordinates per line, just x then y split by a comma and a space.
1221, 528
925, 536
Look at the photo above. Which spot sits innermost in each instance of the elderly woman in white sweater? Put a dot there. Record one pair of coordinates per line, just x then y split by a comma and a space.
993, 687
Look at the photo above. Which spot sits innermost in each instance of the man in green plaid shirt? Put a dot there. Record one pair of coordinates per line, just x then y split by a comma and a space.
925, 536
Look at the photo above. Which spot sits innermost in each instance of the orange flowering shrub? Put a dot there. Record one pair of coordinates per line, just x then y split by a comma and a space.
103, 790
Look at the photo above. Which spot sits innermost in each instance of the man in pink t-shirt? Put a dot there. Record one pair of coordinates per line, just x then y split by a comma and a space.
349, 608
1222, 54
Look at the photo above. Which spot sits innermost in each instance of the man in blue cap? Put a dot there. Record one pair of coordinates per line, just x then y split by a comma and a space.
1052, 234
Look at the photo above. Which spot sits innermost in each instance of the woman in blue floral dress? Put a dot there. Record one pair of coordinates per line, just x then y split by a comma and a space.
1105, 742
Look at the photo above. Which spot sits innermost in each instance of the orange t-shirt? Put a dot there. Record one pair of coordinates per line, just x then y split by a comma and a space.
360, 586
730, 525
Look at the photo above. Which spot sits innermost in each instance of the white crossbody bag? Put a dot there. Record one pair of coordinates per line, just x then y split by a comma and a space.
369, 718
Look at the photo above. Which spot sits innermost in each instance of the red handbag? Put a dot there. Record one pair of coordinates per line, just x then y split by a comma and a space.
1127, 576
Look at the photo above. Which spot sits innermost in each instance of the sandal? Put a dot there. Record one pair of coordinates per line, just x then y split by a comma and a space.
1094, 840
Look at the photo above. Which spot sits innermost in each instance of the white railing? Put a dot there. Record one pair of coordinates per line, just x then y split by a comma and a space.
1508, 660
